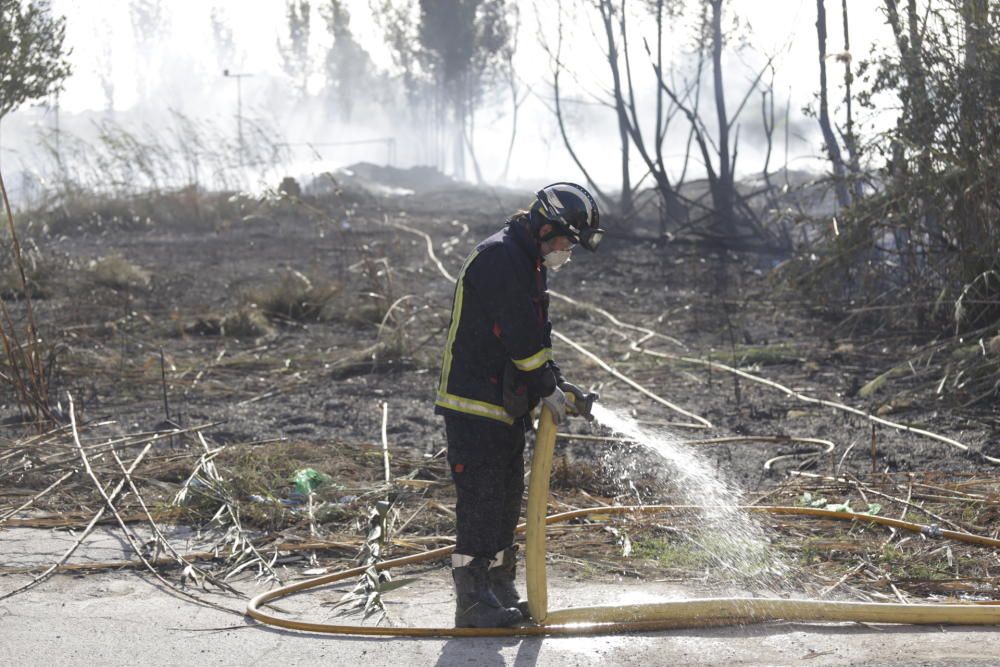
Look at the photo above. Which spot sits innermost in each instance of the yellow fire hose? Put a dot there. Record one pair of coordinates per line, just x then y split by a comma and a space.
644, 617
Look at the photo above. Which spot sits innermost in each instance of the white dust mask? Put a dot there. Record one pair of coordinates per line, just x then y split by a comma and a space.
556, 259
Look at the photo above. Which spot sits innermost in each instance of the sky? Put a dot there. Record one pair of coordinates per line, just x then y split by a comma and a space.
178, 68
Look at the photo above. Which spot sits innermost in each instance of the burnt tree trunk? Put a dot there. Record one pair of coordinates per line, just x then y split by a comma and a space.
829, 138
625, 204
723, 195
561, 121
850, 140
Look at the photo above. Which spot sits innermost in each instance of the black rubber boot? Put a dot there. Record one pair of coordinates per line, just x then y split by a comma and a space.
477, 606
502, 582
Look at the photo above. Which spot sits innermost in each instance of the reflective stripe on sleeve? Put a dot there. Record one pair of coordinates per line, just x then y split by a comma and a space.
536, 360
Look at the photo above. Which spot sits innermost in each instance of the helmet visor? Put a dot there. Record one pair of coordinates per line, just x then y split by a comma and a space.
591, 238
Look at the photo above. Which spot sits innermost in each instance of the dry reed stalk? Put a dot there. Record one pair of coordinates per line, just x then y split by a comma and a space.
385, 440
83, 535
241, 544
28, 374
125, 531
162, 540
31, 501
817, 401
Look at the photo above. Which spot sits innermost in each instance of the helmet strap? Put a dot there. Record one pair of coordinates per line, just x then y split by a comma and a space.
536, 222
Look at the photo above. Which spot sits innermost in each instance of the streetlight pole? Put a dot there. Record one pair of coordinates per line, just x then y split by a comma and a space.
239, 76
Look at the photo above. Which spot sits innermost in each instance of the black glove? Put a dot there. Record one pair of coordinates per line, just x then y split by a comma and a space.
516, 399
582, 401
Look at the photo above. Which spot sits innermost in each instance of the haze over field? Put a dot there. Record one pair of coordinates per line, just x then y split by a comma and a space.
153, 67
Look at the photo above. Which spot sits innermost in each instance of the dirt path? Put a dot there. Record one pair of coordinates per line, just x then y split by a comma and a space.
124, 618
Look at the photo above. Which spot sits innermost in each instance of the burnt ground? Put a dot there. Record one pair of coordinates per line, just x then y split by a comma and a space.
311, 381
270, 320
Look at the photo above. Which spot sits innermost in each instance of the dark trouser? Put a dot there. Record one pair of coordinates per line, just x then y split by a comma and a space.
487, 465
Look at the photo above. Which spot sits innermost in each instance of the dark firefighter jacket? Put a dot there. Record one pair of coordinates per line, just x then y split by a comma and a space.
500, 316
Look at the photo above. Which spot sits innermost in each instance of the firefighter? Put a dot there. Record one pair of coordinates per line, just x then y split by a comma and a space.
497, 366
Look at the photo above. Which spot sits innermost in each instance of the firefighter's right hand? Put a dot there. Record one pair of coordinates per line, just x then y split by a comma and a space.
556, 402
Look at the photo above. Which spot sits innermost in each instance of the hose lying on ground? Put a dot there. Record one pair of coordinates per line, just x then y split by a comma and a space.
645, 617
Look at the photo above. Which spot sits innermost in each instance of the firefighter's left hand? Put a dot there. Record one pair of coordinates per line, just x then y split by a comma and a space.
557, 403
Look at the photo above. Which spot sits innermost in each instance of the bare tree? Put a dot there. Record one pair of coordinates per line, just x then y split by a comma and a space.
105, 74
349, 68
723, 192
729, 211
608, 10
399, 20
555, 60
222, 39
672, 208
295, 58
517, 96
148, 25
850, 138
462, 46
829, 138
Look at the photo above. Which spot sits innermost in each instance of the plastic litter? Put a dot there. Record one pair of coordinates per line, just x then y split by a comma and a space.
307, 480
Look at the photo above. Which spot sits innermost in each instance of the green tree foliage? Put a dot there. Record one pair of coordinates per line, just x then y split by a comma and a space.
920, 239
31, 52
929, 231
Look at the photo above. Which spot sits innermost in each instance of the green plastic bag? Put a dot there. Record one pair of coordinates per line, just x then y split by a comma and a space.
307, 480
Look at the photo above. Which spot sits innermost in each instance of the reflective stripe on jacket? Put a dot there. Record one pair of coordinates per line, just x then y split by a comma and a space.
500, 313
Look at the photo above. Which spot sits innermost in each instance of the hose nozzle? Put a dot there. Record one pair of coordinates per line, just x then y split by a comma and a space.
582, 404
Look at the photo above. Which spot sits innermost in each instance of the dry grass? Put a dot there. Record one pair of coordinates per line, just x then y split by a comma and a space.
297, 298
252, 485
116, 272
246, 323
39, 273
27, 358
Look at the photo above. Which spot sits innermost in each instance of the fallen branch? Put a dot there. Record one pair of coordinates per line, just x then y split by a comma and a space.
162, 540
86, 532
32, 500
816, 401
125, 531
701, 421
647, 333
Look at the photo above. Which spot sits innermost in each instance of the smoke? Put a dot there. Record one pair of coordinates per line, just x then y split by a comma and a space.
141, 63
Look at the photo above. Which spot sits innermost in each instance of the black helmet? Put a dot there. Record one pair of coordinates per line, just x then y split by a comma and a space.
571, 211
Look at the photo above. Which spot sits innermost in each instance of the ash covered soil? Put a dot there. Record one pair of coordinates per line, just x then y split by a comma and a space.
208, 269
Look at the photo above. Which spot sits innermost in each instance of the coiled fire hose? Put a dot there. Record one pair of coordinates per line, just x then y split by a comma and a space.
644, 617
